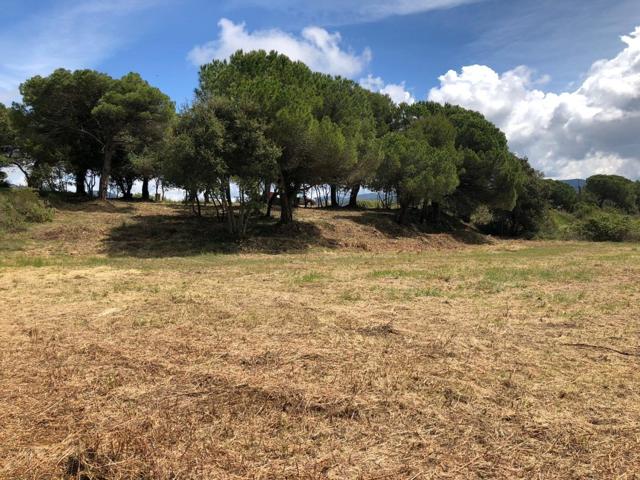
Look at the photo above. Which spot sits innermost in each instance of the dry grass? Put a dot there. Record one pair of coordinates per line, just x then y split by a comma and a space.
357, 351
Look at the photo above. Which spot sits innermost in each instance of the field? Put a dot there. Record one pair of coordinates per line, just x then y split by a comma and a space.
138, 344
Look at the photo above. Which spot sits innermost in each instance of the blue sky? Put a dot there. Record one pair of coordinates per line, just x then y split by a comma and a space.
536, 58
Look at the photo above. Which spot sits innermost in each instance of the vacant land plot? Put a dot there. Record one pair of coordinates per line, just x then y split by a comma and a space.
135, 345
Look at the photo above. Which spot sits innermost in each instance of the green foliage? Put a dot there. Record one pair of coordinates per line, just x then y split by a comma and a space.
559, 225
214, 142
19, 207
561, 195
191, 157
84, 120
420, 163
54, 124
7, 135
614, 190
488, 173
323, 127
529, 213
481, 216
610, 226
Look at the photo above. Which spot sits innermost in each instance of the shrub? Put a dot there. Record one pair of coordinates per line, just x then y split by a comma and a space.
482, 215
609, 227
21, 206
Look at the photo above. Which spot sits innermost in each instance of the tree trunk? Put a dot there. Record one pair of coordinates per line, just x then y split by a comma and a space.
270, 201
228, 194
106, 173
145, 189
353, 197
230, 213
404, 213
81, 176
198, 203
34, 182
287, 197
424, 211
334, 196
267, 191
26, 174
435, 212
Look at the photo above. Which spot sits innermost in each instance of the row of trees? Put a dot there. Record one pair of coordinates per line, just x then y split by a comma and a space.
84, 121
274, 129
262, 121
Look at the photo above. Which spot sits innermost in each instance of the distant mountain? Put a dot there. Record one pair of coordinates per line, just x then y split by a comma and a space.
576, 183
368, 196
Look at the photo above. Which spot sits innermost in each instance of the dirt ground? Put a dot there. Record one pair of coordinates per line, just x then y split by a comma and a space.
137, 342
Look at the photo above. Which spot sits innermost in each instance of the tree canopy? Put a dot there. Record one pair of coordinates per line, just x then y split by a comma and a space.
614, 189
83, 118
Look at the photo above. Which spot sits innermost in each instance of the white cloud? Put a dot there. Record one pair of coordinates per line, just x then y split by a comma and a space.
78, 35
352, 11
318, 48
396, 91
594, 129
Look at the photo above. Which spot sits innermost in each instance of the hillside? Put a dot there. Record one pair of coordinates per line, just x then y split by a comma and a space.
152, 230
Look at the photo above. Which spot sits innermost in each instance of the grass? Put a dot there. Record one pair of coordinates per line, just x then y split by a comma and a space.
353, 352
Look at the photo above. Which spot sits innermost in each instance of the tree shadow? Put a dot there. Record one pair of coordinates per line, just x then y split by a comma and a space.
69, 202
158, 236
385, 222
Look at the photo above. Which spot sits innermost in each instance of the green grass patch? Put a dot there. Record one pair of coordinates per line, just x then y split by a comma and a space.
311, 277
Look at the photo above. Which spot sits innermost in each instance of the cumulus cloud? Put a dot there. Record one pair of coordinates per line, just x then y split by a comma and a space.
396, 91
319, 49
593, 129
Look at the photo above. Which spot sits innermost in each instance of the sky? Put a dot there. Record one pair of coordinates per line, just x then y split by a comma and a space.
560, 77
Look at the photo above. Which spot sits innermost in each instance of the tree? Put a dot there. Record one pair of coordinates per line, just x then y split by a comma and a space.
287, 96
248, 157
531, 206
348, 106
561, 195
7, 135
148, 165
83, 118
215, 143
614, 189
191, 158
437, 132
55, 123
489, 174
416, 171
7, 142
131, 112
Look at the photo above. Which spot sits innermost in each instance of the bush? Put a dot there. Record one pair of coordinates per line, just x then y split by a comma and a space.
19, 207
609, 227
558, 225
481, 216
